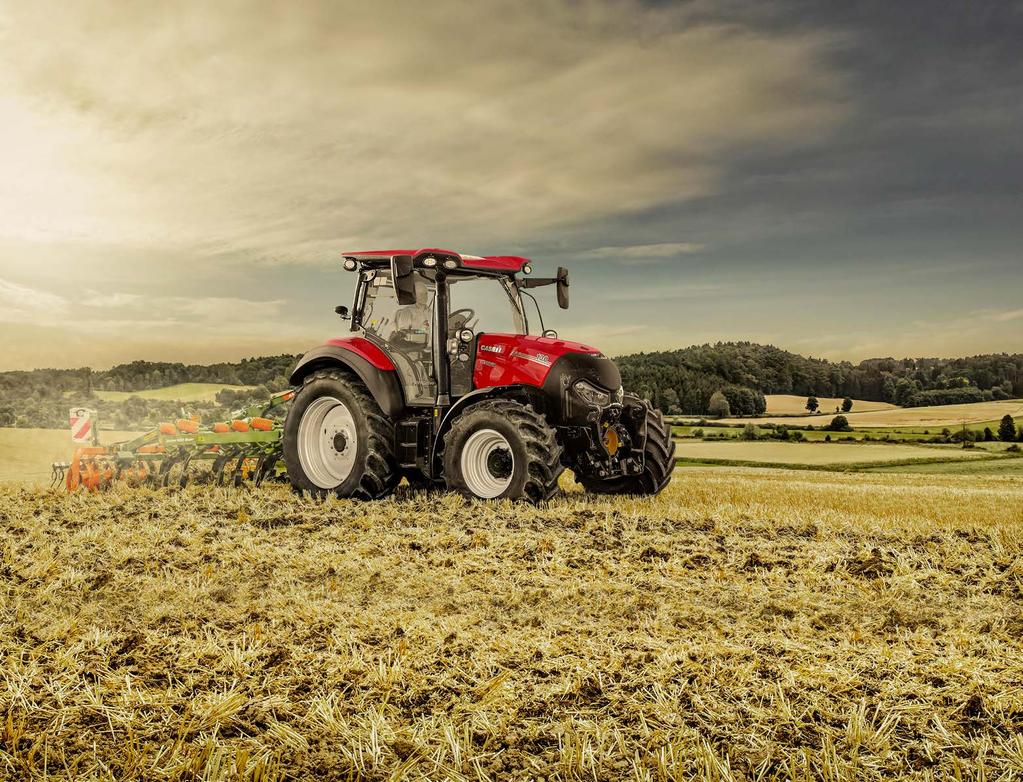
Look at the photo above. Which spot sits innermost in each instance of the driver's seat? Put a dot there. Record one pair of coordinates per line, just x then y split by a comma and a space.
412, 321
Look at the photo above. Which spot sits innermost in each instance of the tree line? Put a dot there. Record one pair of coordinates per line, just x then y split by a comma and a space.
684, 381
41, 398
736, 374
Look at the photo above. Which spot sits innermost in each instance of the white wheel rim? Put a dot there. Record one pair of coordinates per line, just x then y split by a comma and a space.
327, 442
478, 456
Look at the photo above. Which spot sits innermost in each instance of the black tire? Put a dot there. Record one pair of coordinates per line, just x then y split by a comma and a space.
375, 471
660, 461
536, 452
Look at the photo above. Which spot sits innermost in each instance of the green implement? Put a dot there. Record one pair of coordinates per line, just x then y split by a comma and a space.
246, 447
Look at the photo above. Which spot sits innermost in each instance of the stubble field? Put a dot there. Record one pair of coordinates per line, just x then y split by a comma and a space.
746, 624
790, 404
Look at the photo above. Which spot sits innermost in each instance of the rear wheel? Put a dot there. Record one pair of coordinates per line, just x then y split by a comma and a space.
337, 440
659, 453
500, 449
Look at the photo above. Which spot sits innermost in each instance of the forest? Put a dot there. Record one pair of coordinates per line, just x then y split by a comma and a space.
41, 397
683, 381
678, 381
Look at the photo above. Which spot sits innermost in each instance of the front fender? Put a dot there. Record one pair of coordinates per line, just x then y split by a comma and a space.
383, 384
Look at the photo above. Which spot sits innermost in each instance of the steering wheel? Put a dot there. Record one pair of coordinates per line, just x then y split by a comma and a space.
465, 314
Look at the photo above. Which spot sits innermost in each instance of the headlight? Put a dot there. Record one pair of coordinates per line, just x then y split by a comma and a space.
591, 394
619, 395
429, 261
465, 335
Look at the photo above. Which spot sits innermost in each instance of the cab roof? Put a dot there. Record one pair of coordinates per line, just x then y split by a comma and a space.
500, 263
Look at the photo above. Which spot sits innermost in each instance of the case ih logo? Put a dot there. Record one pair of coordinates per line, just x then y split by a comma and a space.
492, 348
539, 358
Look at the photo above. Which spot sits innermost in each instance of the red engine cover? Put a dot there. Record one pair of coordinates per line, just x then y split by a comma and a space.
511, 359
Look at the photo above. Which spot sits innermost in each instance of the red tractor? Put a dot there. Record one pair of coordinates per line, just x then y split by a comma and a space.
442, 383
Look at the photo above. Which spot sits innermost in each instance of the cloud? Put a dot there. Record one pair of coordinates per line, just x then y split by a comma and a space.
643, 252
113, 300
189, 307
289, 131
1001, 316
671, 292
21, 304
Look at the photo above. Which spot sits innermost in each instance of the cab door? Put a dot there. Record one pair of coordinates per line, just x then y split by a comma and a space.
481, 305
405, 333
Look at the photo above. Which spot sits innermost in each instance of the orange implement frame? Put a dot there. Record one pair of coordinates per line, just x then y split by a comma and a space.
89, 473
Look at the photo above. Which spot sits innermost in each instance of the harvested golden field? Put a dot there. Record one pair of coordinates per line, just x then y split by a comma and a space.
26, 454
745, 624
817, 454
938, 416
785, 404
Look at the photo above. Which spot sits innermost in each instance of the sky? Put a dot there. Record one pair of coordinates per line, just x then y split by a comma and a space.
845, 180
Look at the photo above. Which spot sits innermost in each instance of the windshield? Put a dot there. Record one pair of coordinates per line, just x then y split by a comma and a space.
486, 305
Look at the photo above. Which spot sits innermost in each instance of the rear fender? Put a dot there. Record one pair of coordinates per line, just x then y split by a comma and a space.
383, 384
520, 393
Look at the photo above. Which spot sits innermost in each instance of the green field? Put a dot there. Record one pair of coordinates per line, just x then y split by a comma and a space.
923, 417
823, 455
26, 454
182, 392
901, 433
979, 468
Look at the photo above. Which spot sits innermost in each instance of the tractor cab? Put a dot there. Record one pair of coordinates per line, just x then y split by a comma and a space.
399, 310
441, 380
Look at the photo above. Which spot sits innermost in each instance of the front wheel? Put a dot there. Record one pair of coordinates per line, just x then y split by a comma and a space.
337, 440
659, 458
500, 449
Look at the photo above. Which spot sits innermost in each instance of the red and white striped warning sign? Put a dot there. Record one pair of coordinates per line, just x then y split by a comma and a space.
81, 425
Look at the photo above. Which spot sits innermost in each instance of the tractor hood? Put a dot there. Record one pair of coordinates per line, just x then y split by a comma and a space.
510, 359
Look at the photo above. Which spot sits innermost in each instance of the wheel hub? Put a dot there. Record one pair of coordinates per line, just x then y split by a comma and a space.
340, 442
499, 463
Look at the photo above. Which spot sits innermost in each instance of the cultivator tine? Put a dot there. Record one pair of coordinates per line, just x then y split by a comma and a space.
58, 474
163, 477
183, 480
221, 466
238, 474
266, 465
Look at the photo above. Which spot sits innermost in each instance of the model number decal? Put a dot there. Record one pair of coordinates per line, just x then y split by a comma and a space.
539, 358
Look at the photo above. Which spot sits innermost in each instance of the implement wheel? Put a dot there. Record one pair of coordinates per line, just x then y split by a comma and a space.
337, 440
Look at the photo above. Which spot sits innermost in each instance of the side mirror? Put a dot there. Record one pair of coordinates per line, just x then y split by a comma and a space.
342, 312
563, 287
404, 283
